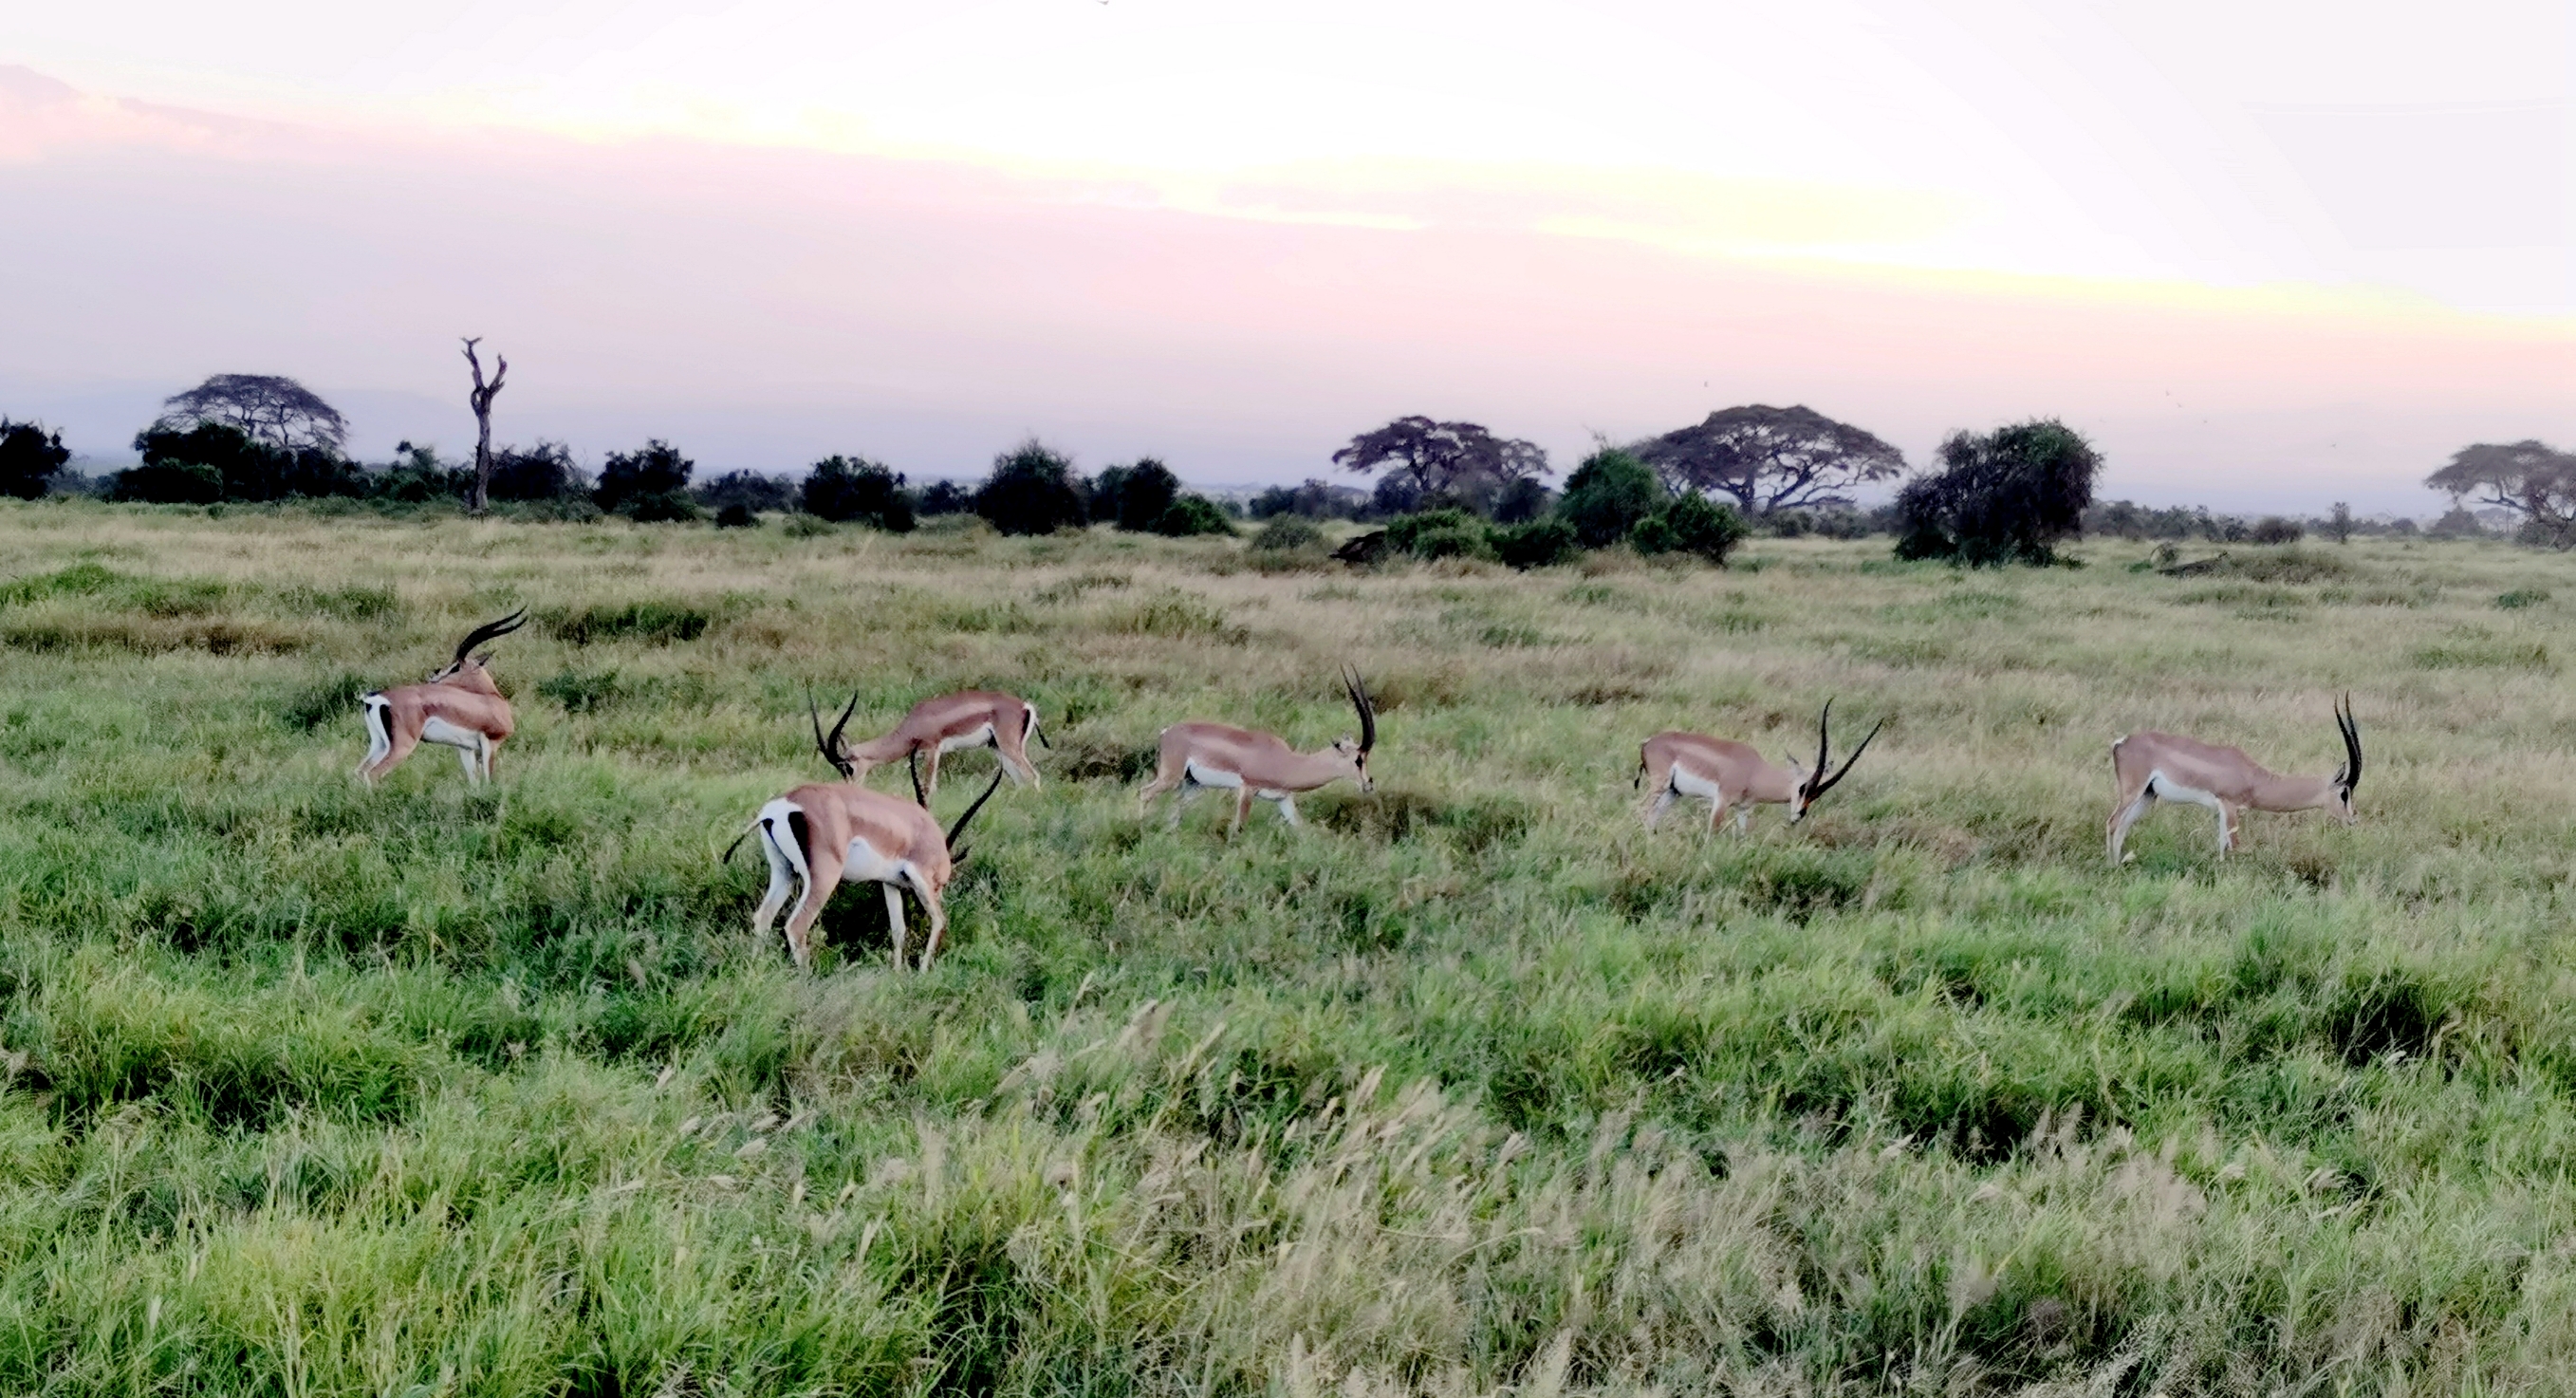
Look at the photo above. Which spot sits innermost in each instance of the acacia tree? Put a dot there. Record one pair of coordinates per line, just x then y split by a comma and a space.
480, 400
1769, 458
267, 408
29, 458
2530, 478
1436, 459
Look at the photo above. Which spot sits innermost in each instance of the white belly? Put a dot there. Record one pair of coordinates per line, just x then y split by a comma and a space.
439, 730
981, 737
2166, 788
1690, 783
862, 864
1209, 776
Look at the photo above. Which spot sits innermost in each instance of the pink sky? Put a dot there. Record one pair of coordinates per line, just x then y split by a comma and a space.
926, 284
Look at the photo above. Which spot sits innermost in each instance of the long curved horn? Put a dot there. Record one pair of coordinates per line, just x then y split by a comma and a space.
912, 759
2351, 745
1820, 788
1360, 700
830, 747
841, 750
954, 853
1824, 744
490, 630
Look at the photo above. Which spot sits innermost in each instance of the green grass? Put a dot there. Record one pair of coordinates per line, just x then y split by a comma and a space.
1471, 1084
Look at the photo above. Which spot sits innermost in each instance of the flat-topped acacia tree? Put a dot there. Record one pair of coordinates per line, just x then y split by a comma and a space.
1768, 458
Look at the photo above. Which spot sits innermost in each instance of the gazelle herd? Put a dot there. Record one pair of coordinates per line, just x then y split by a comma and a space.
823, 834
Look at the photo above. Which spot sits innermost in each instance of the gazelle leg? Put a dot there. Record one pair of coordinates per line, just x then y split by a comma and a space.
822, 875
1716, 812
1743, 820
378, 742
1655, 809
782, 877
491, 754
894, 920
2226, 828
1180, 801
2125, 815
472, 762
1242, 808
938, 927
930, 772
395, 751
1288, 810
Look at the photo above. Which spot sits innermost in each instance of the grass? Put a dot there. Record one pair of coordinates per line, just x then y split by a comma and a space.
1468, 1085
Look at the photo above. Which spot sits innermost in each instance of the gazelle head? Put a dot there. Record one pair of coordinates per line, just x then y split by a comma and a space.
1817, 783
2350, 777
833, 749
466, 661
1358, 752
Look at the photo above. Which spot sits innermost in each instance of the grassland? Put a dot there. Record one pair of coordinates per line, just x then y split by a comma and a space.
1470, 1085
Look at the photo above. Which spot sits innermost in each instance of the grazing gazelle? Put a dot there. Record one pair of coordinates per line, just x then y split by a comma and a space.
457, 706
973, 718
1727, 773
1195, 756
2149, 766
824, 835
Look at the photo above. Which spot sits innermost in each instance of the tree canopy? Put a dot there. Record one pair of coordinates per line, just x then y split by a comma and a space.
2005, 497
649, 484
1768, 458
270, 409
1032, 491
1441, 460
2530, 478
1607, 495
852, 488
29, 457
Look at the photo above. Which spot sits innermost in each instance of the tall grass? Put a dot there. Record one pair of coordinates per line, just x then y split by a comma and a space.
1468, 1085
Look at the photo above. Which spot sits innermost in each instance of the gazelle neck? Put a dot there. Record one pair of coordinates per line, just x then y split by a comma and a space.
1773, 784
878, 751
475, 678
1326, 764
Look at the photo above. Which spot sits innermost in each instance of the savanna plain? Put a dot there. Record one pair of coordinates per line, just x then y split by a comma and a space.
1471, 1084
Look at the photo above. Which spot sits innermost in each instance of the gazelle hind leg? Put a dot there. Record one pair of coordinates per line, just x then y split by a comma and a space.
894, 921
472, 762
938, 926
1189, 792
822, 875
1288, 810
782, 877
1242, 808
378, 741
1743, 821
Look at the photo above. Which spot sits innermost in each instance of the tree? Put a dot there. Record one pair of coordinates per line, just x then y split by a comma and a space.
649, 485
541, 472
1315, 500
2339, 523
416, 476
267, 408
2006, 497
480, 400
1769, 458
1607, 495
29, 457
1459, 461
2530, 478
946, 498
1191, 514
1540, 543
1031, 491
843, 489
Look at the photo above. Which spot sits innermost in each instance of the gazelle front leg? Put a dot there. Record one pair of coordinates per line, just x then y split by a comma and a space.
1242, 808
2226, 828
1288, 808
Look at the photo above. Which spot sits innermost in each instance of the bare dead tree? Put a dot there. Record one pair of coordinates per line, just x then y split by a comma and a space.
480, 400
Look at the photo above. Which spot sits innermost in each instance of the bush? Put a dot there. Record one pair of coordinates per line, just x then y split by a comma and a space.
1691, 524
649, 484
1523, 500
946, 498
29, 459
176, 465
754, 491
1191, 514
2273, 529
1541, 543
1445, 533
736, 515
1136, 497
1031, 491
541, 472
1288, 531
2006, 497
848, 489
1607, 495
1315, 500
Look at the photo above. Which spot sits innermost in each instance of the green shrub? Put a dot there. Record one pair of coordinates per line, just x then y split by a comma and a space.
1285, 532
2522, 597
855, 490
1407, 533
1607, 496
649, 484
1190, 515
736, 516
29, 458
1691, 524
1541, 543
1031, 491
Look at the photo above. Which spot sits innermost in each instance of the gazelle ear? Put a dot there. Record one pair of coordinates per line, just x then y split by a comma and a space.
484, 660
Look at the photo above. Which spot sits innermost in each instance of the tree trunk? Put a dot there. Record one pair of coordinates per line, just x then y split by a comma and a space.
480, 400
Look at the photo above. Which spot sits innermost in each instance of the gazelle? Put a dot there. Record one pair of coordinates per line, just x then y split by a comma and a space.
458, 706
973, 718
826, 834
1195, 756
2149, 766
1727, 773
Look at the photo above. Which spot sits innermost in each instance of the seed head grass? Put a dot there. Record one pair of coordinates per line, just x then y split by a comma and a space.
1469, 1085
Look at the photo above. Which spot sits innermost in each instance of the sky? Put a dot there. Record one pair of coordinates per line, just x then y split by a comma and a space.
2265, 256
